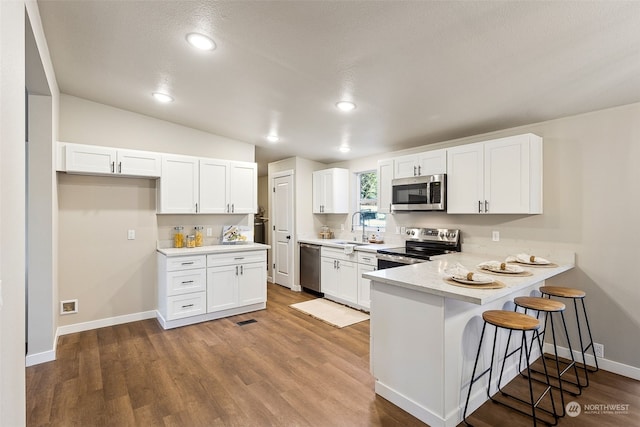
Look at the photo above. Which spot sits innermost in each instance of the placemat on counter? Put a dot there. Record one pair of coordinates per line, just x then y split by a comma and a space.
496, 284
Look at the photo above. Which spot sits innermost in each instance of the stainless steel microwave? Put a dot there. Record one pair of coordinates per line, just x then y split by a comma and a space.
419, 193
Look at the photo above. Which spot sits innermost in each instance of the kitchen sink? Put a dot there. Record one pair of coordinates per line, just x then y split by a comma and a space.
347, 242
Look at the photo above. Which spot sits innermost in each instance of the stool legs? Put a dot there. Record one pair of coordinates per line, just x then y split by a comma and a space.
533, 402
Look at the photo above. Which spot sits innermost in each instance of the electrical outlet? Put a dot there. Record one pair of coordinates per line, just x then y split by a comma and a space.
403, 230
495, 236
341, 227
598, 349
209, 232
131, 235
397, 230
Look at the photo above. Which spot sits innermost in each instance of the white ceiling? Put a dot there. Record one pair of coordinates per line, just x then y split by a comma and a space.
419, 71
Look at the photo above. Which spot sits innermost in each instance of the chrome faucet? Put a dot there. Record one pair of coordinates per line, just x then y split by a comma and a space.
364, 234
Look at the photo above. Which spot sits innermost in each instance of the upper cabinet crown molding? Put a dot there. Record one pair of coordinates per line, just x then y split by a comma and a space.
99, 160
501, 176
331, 191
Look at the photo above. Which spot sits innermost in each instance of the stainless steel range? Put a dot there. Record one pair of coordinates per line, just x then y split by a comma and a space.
420, 246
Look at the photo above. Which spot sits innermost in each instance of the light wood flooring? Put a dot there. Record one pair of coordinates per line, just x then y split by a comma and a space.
287, 369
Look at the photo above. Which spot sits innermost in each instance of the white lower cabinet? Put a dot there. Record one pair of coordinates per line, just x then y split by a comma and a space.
236, 280
366, 263
339, 276
197, 288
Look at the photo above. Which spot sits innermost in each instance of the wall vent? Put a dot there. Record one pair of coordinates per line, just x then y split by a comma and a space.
69, 306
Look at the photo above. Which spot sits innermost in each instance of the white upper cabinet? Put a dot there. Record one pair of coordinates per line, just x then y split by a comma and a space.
385, 175
178, 186
196, 185
428, 163
502, 176
98, 160
214, 186
331, 191
243, 194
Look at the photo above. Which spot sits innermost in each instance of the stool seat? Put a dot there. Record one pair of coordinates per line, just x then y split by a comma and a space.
511, 320
539, 304
562, 292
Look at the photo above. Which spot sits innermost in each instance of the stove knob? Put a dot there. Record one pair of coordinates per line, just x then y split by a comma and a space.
441, 234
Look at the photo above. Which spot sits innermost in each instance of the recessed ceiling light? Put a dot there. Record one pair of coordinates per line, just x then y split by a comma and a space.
344, 149
272, 138
200, 41
345, 105
162, 97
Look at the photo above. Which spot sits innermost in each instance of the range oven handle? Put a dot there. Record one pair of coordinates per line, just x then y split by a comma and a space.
399, 259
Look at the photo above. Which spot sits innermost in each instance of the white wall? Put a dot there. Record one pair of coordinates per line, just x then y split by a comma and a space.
591, 203
113, 277
12, 213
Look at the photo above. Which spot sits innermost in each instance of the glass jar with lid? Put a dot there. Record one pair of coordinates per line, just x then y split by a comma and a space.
178, 237
198, 235
191, 241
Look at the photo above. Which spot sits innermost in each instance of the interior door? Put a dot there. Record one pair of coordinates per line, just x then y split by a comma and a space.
283, 255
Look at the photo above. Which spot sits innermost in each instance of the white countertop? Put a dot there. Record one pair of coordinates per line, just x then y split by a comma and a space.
203, 250
429, 276
369, 247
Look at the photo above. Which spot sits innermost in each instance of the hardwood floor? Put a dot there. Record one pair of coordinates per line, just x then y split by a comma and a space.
287, 369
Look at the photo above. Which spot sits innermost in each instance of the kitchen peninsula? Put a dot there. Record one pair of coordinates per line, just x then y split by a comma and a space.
425, 332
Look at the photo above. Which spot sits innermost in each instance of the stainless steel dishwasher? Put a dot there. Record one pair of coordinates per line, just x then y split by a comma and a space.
310, 267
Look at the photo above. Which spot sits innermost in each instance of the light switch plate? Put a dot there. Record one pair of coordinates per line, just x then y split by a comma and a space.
495, 236
131, 235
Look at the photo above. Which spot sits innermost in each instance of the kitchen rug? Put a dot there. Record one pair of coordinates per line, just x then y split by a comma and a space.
330, 312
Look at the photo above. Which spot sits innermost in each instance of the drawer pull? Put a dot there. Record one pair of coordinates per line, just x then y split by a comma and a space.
187, 263
187, 306
187, 282
239, 257
366, 258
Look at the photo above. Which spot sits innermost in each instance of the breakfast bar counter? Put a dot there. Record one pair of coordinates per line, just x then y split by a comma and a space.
425, 331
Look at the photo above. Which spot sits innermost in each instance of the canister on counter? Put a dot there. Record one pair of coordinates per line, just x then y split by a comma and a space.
199, 236
191, 241
178, 237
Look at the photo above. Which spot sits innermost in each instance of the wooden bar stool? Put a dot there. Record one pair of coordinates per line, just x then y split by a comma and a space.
550, 308
513, 321
575, 295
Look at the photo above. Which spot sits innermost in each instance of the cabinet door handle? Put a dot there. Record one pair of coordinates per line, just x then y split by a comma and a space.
479, 206
233, 208
334, 264
187, 306
242, 269
186, 282
113, 167
338, 264
419, 170
236, 270
119, 167
486, 206
227, 207
414, 171
196, 208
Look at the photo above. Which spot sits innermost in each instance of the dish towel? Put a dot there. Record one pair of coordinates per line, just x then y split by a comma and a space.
527, 259
460, 272
348, 249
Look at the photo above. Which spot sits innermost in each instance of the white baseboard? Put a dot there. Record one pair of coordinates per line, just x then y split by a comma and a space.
38, 358
604, 364
43, 357
101, 323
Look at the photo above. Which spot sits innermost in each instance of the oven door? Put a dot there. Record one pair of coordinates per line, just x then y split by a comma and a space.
389, 261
